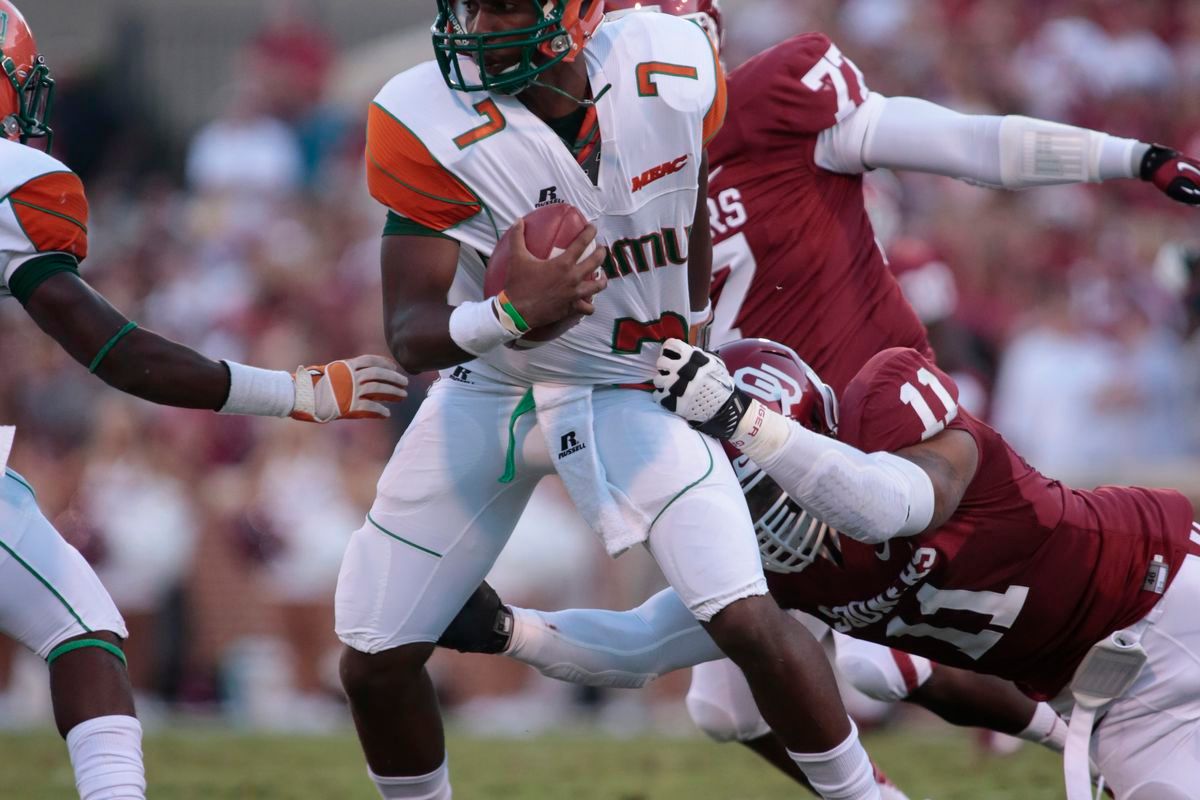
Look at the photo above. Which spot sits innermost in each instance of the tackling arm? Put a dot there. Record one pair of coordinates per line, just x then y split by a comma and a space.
870, 497
1012, 152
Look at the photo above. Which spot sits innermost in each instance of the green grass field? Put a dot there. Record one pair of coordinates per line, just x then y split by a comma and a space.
221, 766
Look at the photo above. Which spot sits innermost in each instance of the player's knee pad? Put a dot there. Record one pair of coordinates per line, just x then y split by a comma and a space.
720, 703
879, 672
722, 723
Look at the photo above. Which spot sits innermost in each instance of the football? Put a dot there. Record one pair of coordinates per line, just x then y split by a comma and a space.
548, 231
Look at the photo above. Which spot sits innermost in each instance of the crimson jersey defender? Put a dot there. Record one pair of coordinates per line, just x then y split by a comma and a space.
807, 271
1023, 578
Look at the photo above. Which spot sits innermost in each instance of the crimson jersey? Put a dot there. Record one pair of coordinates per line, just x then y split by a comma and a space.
1022, 579
794, 255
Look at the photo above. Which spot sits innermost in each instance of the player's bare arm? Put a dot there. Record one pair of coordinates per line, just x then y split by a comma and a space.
149, 366
870, 497
949, 459
417, 273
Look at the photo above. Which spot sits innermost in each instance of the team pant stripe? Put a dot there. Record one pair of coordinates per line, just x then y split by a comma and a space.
435, 553
908, 670
1195, 536
45, 583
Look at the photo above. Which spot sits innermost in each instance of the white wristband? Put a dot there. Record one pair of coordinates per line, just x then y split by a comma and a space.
761, 433
259, 392
475, 327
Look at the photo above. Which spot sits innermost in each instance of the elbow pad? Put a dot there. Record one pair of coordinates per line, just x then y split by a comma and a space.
1035, 152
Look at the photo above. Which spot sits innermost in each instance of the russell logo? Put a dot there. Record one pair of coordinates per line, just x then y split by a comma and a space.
547, 197
569, 445
661, 171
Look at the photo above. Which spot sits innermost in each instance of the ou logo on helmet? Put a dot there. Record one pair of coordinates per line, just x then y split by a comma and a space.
769, 384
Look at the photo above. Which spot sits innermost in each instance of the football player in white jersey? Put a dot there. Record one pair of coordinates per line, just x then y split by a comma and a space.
50, 599
531, 102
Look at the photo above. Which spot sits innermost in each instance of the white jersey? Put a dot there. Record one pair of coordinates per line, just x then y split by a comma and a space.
471, 164
43, 217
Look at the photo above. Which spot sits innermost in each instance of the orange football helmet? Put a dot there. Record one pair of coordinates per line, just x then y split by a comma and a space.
26, 100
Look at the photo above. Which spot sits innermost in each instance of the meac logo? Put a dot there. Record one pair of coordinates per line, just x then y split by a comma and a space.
770, 385
661, 171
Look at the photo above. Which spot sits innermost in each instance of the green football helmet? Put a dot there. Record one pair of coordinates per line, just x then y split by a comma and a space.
558, 34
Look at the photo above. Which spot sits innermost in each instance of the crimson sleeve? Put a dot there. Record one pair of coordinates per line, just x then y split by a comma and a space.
898, 399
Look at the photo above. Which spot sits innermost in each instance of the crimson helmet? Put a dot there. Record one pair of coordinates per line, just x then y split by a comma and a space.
705, 13
558, 32
789, 538
25, 101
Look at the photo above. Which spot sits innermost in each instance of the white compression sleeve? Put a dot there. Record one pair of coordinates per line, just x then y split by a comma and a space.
622, 649
870, 497
1011, 152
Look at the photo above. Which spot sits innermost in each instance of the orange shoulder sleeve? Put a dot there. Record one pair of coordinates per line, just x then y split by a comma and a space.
407, 178
53, 212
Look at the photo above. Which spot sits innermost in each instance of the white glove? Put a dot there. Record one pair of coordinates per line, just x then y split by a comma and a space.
352, 388
697, 386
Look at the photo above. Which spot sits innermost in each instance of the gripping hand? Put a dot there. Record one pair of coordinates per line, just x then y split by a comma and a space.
1175, 175
697, 386
352, 388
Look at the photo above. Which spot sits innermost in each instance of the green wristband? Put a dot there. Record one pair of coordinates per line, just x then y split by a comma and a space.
513, 314
110, 344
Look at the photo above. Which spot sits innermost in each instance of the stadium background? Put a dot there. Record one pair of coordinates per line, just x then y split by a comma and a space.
221, 143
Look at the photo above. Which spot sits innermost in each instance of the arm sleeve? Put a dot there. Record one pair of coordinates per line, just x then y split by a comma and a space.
1011, 152
406, 178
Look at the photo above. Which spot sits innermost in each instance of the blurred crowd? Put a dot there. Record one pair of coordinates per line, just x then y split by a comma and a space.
1069, 316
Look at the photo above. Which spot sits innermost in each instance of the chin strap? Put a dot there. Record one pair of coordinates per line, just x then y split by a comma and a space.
568, 95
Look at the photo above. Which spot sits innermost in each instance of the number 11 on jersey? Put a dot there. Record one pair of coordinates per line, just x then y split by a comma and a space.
911, 396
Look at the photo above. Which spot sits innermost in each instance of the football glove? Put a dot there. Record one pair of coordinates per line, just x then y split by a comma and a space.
697, 386
1175, 175
352, 388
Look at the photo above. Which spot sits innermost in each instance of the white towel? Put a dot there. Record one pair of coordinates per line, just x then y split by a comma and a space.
564, 414
6, 439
